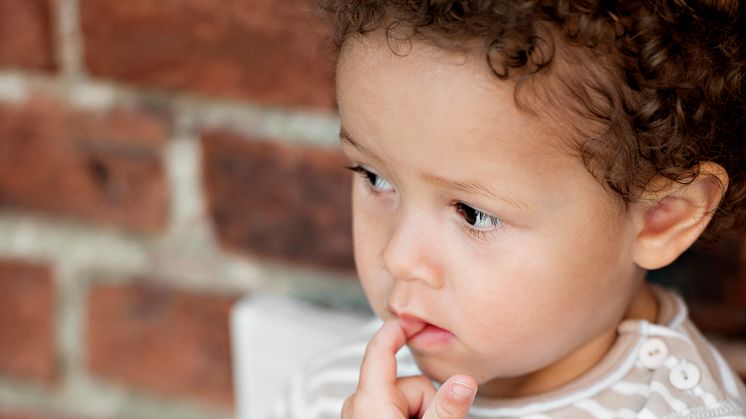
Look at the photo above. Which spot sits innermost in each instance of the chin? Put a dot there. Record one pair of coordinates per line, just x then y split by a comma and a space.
441, 370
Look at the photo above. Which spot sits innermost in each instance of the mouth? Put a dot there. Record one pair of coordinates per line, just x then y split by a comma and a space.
421, 334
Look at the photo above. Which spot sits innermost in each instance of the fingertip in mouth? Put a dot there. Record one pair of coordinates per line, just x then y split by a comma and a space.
412, 325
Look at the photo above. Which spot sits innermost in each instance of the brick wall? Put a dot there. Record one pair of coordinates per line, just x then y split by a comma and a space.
159, 159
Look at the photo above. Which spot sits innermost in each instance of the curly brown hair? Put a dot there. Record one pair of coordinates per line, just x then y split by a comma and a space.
665, 78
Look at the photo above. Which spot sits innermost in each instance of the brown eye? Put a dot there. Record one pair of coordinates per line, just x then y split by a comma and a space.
469, 213
478, 219
372, 178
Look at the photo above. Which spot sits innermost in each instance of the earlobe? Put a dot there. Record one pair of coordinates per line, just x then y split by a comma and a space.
672, 217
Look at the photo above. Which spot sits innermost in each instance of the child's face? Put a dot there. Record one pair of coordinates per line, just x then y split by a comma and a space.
475, 218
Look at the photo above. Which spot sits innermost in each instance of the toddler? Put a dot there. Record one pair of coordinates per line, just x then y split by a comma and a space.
520, 166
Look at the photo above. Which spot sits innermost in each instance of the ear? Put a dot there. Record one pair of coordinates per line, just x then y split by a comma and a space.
672, 216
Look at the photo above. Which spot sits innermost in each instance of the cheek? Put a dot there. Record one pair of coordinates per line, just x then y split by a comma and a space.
366, 231
529, 296
508, 300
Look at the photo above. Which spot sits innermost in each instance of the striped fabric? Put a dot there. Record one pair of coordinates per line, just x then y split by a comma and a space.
663, 370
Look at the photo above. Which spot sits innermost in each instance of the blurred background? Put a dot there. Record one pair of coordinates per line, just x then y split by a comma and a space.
160, 159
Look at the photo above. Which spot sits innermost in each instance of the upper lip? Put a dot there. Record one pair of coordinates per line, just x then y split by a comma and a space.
412, 324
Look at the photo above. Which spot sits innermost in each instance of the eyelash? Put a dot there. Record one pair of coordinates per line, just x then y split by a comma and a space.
367, 176
460, 207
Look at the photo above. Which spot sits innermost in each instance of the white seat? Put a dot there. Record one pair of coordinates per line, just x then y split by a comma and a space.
273, 337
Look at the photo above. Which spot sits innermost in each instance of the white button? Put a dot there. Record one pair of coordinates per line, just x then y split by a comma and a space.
684, 376
653, 352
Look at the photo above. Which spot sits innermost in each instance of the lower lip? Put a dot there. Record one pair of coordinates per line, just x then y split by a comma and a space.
430, 336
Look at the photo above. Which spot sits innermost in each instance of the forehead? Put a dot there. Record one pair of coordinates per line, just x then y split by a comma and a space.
418, 92
381, 63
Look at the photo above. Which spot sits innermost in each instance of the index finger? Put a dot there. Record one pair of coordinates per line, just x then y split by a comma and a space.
378, 369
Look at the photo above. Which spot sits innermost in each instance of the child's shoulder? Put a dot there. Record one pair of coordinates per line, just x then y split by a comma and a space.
688, 378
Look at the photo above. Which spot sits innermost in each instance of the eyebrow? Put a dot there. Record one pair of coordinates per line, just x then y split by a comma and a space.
475, 188
469, 187
345, 137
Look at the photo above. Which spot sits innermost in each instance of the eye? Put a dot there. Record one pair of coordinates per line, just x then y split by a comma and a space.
375, 182
477, 219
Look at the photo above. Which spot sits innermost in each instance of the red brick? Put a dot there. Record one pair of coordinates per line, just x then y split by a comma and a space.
25, 34
27, 347
105, 167
160, 340
279, 201
261, 50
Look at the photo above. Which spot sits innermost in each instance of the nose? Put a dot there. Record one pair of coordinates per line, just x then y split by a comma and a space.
410, 251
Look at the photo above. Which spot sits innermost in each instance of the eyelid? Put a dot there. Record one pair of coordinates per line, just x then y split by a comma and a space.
476, 233
361, 170
356, 169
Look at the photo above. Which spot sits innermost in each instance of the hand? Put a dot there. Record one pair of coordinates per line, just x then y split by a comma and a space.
380, 394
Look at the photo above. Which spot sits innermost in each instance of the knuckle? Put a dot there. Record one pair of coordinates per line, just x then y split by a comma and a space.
444, 410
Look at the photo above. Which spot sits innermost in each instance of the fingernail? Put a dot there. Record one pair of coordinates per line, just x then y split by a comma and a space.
461, 391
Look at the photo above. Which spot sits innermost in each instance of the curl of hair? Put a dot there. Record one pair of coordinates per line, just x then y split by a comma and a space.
674, 95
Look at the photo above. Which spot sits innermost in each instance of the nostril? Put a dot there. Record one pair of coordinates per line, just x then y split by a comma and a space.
398, 300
